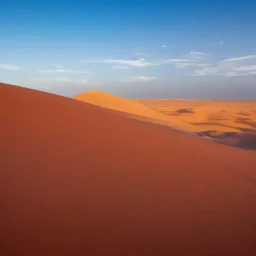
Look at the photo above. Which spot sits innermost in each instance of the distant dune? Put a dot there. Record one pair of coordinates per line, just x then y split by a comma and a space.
110, 101
78, 179
132, 108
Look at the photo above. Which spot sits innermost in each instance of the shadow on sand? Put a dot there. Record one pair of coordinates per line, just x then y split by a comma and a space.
246, 140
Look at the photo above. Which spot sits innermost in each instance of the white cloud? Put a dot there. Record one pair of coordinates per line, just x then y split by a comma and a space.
184, 63
245, 68
164, 46
57, 66
179, 61
70, 71
121, 67
240, 74
221, 42
193, 59
192, 56
231, 73
62, 71
197, 55
133, 63
82, 81
10, 67
191, 64
137, 53
227, 71
206, 71
228, 67
248, 57
139, 79
65, 80
45, 71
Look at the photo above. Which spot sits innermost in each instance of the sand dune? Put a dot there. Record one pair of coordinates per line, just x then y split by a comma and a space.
110, 101
126, 107
77, 179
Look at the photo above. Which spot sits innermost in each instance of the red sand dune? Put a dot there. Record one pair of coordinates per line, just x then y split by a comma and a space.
77, 179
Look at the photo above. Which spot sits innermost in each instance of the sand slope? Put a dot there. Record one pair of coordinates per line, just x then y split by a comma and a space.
127, 107
110, 101
77, 179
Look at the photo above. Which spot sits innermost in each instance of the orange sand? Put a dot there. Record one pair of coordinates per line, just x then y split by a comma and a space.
222, 116
77, 179
224, 121
127, 107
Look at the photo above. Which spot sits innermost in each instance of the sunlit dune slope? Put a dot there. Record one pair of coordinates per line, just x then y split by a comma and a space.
126, 106
78, 179
110, 101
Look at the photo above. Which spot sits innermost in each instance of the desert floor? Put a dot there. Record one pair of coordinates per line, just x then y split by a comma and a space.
230, 122
80, 179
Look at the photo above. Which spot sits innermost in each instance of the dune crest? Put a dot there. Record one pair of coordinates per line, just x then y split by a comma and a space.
110, 101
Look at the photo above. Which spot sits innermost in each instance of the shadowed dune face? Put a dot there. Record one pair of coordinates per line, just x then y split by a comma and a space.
185, 111
241, 140
77, 179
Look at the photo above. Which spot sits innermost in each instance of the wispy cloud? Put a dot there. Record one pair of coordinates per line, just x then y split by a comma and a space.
197, 55
57, 66
230, 73
63, 79
70, 71
164, 46
205, 72
242, 70
185, 63
192, 59
10, 67
245, 68
67, 80
221, 42
62, 71
121, 67
248, 57
229, 67
139, 79
139, 63
191, 64
45, 71
179, 61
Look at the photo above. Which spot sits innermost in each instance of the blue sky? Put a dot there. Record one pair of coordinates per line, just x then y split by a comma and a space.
136, 48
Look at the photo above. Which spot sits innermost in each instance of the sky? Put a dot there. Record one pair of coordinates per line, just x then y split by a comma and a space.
134, 48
